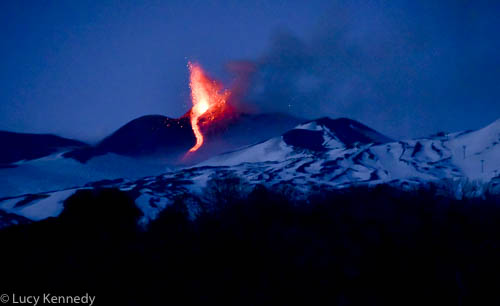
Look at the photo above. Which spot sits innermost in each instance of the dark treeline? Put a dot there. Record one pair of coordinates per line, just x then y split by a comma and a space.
363, 246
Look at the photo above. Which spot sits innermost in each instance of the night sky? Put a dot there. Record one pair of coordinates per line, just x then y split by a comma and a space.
406, 68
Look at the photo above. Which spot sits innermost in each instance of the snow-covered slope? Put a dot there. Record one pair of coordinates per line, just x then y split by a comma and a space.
470, 150
54, 172
17, 147
318, 155
149, 145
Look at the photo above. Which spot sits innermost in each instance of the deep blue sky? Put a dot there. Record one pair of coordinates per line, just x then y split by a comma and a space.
83, 68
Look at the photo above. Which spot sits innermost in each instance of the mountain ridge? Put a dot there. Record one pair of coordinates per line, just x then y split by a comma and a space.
29, 146
338, 163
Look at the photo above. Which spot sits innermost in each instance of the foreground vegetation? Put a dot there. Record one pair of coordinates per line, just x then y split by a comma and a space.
362, 246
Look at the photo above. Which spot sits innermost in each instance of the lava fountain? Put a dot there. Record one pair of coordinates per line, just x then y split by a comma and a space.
209, 100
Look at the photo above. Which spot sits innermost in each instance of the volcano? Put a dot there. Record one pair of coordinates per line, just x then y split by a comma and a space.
156, 136
213, 125
149, 145
317, 155
147, 136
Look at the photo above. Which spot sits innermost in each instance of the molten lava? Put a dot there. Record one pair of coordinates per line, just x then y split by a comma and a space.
209, 100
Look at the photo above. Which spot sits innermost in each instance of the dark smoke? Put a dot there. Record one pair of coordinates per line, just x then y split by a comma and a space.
407, 69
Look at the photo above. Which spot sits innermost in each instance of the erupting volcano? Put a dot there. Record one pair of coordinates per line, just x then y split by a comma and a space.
209, 100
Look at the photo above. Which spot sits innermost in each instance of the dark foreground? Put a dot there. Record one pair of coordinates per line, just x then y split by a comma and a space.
358, 247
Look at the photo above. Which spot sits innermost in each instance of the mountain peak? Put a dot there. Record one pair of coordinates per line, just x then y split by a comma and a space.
344, 130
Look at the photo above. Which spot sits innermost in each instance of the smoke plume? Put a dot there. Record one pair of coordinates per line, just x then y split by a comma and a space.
403, 68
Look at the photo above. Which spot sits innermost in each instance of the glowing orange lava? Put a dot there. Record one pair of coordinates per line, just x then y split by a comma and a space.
208, 97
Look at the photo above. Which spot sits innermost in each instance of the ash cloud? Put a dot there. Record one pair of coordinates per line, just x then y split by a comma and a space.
406, 69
